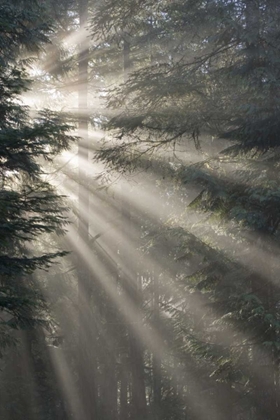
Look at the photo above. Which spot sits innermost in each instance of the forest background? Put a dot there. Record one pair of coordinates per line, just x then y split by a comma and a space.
139, 203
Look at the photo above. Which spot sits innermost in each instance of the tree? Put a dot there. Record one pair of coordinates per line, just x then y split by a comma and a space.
206, 292
30, 206
216, 76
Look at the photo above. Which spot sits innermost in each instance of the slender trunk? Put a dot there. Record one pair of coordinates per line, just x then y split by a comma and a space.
133, 290
126, 59
123, 357
138, 402
108, 377
83, 151
87, 363
131, 285
156, 363
265, 394
123, 389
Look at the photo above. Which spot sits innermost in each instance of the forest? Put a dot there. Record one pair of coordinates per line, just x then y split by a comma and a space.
139, 210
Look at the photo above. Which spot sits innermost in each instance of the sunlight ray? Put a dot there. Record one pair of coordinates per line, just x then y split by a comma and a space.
132, 315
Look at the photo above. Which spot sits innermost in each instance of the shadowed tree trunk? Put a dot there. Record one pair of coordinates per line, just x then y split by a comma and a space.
156, 364
138, 400
87, 362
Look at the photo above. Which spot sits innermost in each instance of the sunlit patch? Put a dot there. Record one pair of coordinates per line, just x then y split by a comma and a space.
67, 383
35, 71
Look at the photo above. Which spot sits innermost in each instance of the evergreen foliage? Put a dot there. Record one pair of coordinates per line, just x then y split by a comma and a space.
29, 205
177, 310
217, 75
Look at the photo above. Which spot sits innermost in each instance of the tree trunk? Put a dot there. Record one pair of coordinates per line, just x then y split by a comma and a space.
138, 401
87, 363
132, 287
156, 363
123, 389
126, 59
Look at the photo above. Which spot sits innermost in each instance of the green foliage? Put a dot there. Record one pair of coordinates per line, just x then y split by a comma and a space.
211, 69
29, 205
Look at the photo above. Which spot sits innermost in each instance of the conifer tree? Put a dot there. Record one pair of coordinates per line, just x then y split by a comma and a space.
217, 75
30, 206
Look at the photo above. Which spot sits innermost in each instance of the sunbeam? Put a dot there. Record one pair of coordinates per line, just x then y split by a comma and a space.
139, 210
